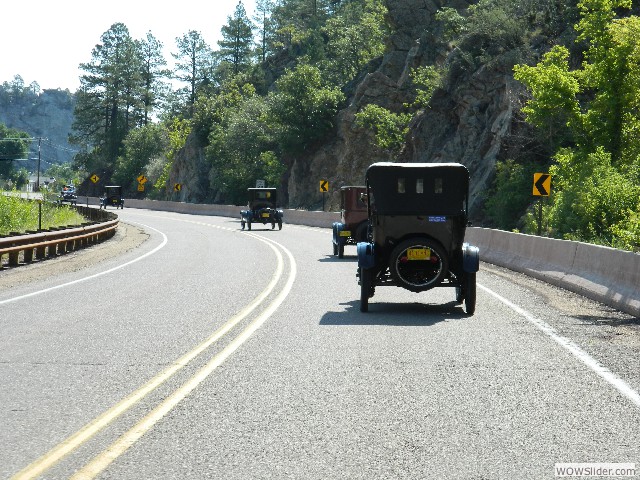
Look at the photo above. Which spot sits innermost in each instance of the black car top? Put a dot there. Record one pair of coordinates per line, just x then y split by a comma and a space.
262, 197
418, 188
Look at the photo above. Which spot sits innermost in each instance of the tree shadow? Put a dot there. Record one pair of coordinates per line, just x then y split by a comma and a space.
395, 314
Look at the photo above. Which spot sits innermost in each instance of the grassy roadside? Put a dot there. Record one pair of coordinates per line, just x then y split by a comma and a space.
19, 215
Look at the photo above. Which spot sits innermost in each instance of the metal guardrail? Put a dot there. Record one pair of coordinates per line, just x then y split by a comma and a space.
54, 242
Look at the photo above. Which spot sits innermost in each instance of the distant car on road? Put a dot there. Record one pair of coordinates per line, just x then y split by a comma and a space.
352, 227
112, 196
68, 195
418, 218
262, 208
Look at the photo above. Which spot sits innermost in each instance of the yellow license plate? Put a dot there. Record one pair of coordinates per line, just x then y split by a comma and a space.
345, 233
265, 215
418, 253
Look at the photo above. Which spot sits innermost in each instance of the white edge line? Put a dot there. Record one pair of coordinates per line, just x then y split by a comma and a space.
618, 383
84, 279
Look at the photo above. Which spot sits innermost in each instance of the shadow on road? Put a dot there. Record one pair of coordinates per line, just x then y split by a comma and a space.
395, 314
334, 258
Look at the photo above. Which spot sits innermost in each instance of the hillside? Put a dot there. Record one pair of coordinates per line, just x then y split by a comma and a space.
47, 115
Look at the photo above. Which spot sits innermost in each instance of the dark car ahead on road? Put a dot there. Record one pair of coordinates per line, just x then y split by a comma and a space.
262, 208
112, 196
352, 227
418, 218
68, 194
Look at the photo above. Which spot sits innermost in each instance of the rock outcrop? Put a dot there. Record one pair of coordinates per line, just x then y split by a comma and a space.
47, 115
469, 120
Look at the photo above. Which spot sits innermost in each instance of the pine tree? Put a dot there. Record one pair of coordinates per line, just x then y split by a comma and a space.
237, 40
193, 63
109, 99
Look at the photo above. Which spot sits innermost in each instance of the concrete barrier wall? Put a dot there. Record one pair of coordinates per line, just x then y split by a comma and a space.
300, 217
603, 274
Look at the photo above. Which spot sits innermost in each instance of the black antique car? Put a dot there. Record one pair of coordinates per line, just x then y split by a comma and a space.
262, 208
352, 227
112, 196
418, 217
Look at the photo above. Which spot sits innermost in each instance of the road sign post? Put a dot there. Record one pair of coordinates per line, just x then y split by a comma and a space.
324, 188
541, 188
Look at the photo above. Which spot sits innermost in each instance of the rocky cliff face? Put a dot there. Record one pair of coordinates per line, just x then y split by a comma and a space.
48, 115
470, 119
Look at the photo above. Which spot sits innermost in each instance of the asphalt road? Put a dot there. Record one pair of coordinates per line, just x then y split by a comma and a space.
210, 352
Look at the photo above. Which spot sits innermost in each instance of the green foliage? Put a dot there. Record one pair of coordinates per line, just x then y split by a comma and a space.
554, 107
141, 146
355, 36
389, 129
591, 197
596, 185
66, 174
238, 159
493, 31
302, 109
20, 215
511, 195
237, 40
14, 144
453, 24
111, 99
193, 64
177, 133
426, 79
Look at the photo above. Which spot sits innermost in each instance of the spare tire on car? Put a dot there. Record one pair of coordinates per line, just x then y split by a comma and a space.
418, 264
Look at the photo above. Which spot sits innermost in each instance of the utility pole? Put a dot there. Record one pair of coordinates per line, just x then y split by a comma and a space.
38, 175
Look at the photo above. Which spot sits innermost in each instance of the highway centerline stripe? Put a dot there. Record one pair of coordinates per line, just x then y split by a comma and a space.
120, 446
68, 445
618, 383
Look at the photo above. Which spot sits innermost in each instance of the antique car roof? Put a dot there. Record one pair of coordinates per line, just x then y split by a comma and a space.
444, 186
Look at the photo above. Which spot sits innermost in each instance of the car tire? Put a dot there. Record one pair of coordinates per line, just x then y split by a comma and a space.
366, 278
361, 232
469, 280
418, 275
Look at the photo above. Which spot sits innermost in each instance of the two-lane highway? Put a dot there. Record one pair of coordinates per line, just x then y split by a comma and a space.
209, 352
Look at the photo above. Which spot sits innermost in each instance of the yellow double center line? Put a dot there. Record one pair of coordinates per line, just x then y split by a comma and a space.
102, 461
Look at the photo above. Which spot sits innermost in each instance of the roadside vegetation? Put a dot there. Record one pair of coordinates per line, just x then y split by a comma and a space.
21, 215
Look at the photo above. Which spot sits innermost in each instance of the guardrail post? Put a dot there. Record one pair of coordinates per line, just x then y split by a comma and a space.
13, 259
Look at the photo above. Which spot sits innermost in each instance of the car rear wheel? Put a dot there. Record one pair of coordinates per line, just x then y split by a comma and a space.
418, 264
470, 292
366, 277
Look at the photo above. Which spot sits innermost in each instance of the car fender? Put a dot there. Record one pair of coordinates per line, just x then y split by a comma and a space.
470, 258
366, 258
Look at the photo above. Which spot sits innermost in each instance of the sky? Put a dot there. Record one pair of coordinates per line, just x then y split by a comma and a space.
46, 40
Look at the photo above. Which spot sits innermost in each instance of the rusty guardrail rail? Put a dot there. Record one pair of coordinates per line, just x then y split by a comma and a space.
50, 243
